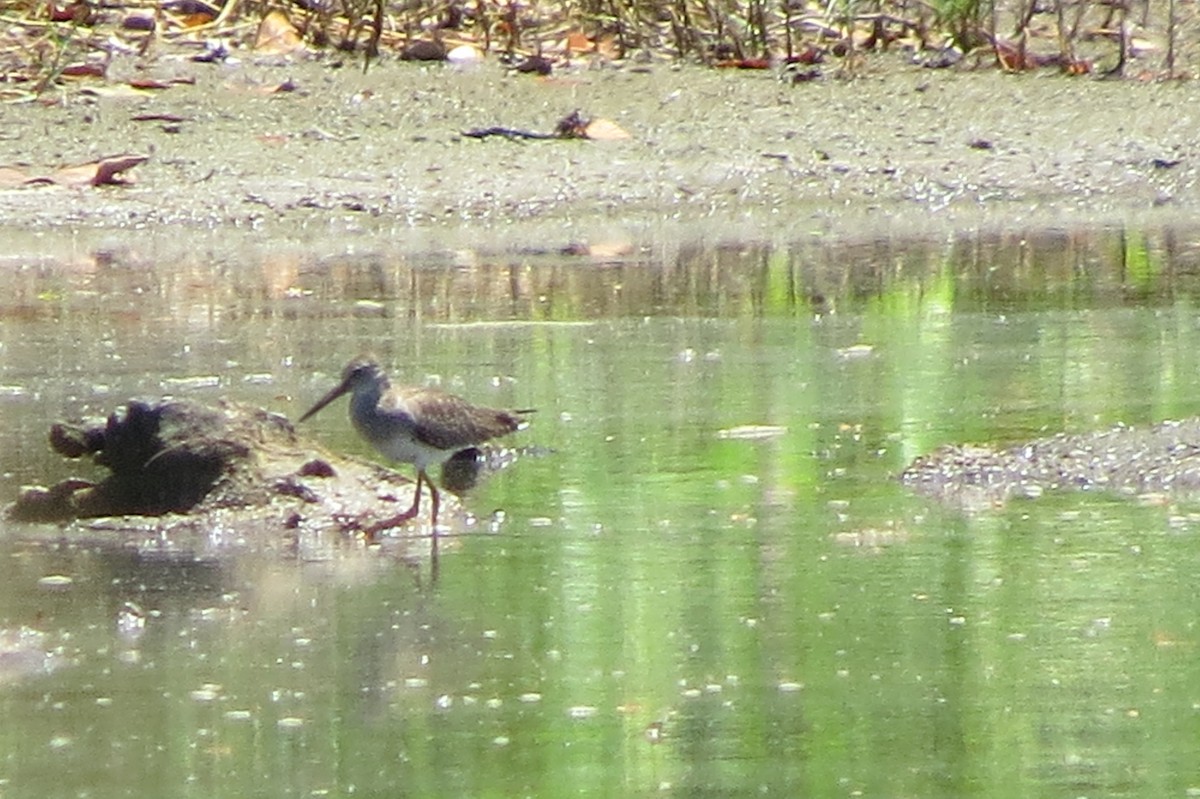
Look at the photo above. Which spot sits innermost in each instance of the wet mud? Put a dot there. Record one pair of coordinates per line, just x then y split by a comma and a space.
1161, 460
381, 160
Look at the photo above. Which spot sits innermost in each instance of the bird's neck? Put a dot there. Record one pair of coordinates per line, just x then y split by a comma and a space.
366, 398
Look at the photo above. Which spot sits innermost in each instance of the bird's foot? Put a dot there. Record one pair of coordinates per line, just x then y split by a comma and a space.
355, 523
386, 524
349, 522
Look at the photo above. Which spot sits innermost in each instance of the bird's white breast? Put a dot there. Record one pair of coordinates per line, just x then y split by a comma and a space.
391, 432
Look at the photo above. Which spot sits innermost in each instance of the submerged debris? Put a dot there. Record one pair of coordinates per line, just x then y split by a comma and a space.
1161, 459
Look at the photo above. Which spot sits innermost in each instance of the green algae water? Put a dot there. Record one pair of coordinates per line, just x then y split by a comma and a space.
701, 576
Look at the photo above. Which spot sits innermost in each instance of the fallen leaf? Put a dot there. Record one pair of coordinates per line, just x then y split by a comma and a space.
83, 71
607, 46
276, 34
121, 91
578, 42
79, 13
194, 20
94, 173
149, 83
604, 130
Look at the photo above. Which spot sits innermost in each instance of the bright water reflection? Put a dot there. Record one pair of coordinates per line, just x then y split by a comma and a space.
713, 586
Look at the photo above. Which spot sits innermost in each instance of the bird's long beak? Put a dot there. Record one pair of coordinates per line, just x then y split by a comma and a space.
338, 391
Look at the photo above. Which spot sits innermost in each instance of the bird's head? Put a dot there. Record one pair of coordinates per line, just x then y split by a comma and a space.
361, 373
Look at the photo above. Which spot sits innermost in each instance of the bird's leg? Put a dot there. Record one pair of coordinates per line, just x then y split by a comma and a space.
401, 518
433, 548
434, 570
421, 478
436, 500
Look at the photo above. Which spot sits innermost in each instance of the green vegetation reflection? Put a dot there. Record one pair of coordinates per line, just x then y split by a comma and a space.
710, 583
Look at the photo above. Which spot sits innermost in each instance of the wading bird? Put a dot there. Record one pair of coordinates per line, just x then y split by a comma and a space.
421, 426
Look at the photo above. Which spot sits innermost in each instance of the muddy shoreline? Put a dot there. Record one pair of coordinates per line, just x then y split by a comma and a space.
378, 160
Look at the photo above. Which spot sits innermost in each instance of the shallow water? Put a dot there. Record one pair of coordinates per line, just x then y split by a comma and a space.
702, 579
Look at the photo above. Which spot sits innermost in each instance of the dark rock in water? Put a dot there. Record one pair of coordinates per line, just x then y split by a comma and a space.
163, 457
180, 465
1164, 458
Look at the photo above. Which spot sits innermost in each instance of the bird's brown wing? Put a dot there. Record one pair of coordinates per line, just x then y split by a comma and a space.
448, 422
